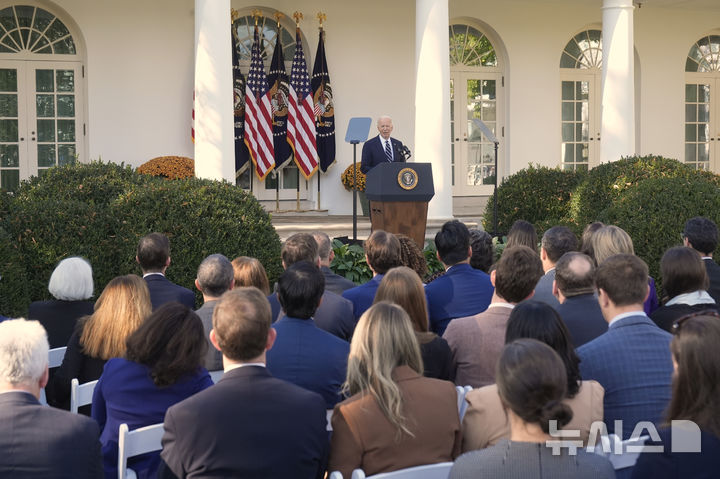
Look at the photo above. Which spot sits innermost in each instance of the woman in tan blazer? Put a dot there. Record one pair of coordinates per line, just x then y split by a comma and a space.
395, 418
485, 422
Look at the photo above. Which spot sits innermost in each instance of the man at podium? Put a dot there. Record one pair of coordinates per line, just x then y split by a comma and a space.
382, 148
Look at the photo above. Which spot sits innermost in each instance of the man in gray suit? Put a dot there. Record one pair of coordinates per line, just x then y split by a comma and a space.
39, 441
333, 282
556, 241
215, 276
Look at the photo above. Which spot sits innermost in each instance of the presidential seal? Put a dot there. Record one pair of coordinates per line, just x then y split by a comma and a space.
407, 178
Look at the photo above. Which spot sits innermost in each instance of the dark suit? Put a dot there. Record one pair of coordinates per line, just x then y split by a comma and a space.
59, 318
362, 296
213, 357
462, 291
713, 272
162, 291
309, 357
39, 441
335, 314
334, 282
675, 465
373, 153
583, 318
543, 290
248, 425
632, 362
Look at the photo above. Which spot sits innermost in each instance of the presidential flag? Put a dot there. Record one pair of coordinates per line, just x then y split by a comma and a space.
279, 93
324, 108
258, 114
242, 156
301, 116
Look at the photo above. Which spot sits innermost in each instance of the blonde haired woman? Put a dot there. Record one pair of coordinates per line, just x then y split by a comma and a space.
250, 272
403, 287
611, 240
121, 308
395, 417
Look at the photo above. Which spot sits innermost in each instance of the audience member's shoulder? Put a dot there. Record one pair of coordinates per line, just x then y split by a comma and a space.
336, 299
460, 324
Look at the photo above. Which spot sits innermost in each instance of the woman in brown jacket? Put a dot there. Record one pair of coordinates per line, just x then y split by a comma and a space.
395, 418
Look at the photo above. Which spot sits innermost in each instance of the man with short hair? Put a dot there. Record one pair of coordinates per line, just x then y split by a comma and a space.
462, 291
303, 354
632, 359
335, 313
382, 253
153, 256
333, 282
215, 275
701, 234
574, 288
382, 148
36, 440
249, 424
477, 341
556, 241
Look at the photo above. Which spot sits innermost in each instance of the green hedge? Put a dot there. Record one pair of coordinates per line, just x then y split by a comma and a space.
100, 211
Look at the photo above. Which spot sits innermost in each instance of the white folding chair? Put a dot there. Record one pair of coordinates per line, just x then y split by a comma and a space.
628, 458
134, 443
80, 394
216, 375
462, 403
55, 358
428, 471
328, 416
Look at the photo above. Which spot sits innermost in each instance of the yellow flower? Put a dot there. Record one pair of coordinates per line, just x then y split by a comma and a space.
347, 178
170, 167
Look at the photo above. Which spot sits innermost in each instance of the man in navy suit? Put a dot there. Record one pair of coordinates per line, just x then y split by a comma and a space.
333, 282
701, 234
35, 440
382, 252
574, 287
632, 359
335, 313
382, 148
250, 424
153, 256
556, 241
462, 291
304, 354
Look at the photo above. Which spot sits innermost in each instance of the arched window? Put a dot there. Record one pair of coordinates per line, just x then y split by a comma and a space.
702, 108
245, 27
32, 29
475, 81
580, 64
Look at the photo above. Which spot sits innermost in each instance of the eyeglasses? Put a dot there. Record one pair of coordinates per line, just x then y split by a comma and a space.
679, 322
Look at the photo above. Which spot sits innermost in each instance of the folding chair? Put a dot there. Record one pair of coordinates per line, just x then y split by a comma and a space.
428, 471
462, 403
55, 358
80, 394
216, 375
134, 443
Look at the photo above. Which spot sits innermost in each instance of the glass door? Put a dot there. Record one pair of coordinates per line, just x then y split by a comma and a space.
580, 125
702, 128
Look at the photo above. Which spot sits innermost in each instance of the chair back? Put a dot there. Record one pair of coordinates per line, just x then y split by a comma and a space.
462, 403
328, 416
216, 375
80, 394
134, 443
621, 454
429, 471
55, 357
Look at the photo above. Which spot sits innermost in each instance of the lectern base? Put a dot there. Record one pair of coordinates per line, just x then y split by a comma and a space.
400, 217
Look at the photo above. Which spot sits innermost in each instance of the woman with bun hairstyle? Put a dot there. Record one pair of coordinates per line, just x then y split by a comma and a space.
532, 384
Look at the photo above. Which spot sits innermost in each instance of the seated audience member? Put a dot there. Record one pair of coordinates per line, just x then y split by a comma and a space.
483, 254
632, 359
304, 354
532, 384
394, 418
121, 308
249, 424
685, 281
611, 240
522, 233
163, 367
38, 441
382, 252
695, 393
153, 256
402, 286
335, 313
462, 290
333, 282
250, 272
701, 234
411, 255
215, 275
556, 241
71, 284
476, 341
574, 288
485, 424
586, 240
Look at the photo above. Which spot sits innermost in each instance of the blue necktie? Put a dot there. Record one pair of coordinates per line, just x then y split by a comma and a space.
388, 153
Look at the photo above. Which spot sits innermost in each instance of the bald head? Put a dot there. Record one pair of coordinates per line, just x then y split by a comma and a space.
575, 274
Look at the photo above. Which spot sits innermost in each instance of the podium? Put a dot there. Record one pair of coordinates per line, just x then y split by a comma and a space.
399, 194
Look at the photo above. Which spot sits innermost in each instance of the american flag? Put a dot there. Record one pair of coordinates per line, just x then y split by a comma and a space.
301, 117
258, 115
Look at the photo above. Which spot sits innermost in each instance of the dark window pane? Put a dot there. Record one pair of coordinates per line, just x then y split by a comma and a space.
66, 154
56, 31
42, 19
690, 112
45, 106
8, 105
24, 15
66, 105
46, 155
66, 130
568, 90
567, 111
46, 130
9, 179
8, 79
290, 178
691, 93
7, 18
690, 155
9, 156
65, 80
66, 46
44, 81
9, 130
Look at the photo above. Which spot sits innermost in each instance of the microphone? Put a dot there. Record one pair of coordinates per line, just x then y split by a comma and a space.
404, 151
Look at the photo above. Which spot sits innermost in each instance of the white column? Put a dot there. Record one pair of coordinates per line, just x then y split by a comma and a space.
432, 99
214, 142
618, 81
